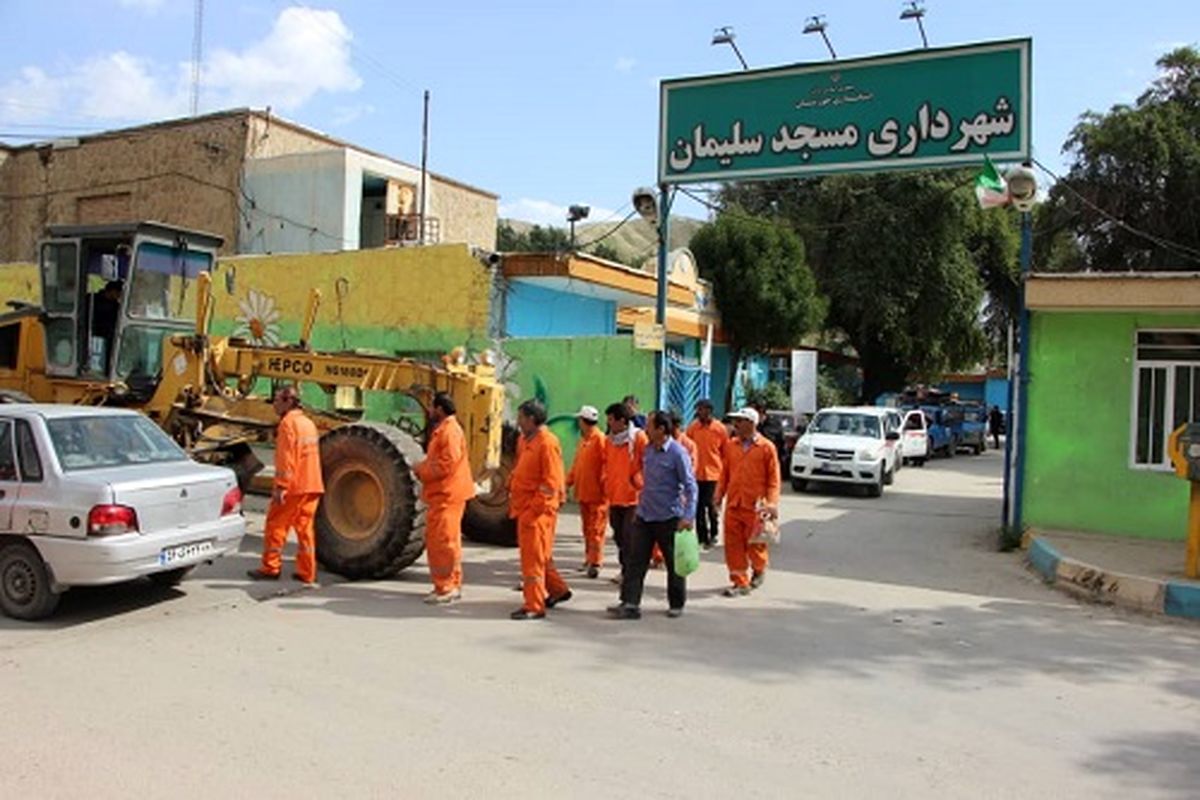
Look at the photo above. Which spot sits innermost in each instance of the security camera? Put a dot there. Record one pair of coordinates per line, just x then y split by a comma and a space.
1022, 187
576, 213
645, 203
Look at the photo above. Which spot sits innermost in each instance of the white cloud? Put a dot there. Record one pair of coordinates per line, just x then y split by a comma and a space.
144, 5
32, 97
306, 52
123, 86
543, 212
625, 64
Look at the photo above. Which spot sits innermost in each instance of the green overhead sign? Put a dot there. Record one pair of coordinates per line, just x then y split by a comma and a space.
923, 109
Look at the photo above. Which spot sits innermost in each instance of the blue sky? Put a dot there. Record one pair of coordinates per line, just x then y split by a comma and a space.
544, 103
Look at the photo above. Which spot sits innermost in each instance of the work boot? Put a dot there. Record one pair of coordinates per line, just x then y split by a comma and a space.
674, 613
756, 580
306, 584
624, 611
551, 602
259, 575
736, 591
522, 613
442, 598
593, 571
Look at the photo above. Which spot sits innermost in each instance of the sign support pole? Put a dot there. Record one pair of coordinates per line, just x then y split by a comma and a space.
660, 306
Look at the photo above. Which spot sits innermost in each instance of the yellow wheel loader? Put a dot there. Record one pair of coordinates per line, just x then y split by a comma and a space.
124, 320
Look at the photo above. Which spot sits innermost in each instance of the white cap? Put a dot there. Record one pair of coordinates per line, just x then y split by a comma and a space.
746, 413
588, 413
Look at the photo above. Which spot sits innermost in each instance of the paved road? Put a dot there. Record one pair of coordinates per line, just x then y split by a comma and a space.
891, 653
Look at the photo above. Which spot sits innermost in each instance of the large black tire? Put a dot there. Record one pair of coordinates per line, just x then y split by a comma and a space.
486, 519
25, 591
371, 523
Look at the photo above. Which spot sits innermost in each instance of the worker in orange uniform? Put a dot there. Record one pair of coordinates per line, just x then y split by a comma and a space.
296, 492
710, 437
535, 490
750, 486
623, 451
587, 479
446, 486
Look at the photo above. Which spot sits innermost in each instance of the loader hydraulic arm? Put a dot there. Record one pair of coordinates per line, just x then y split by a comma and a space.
476, 394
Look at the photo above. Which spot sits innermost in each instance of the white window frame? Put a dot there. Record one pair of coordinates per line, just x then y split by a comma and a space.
1169, 401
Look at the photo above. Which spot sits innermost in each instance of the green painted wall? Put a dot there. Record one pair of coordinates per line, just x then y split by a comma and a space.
567, 373
1080, 403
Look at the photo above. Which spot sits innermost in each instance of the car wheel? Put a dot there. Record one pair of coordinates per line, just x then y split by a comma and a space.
978, 449
876, 489
25, 591
920, 462
171, 577
889, 477
799, 485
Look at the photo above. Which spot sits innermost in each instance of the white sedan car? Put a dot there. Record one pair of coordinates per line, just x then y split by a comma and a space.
92, 496
847, 445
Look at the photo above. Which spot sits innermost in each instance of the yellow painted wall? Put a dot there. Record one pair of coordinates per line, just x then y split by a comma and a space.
19, 281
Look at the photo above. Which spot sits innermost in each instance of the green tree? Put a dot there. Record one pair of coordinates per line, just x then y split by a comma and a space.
903, 259
1141, 165
761, 284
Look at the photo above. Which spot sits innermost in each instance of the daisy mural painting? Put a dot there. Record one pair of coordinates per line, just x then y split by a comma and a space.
258, 321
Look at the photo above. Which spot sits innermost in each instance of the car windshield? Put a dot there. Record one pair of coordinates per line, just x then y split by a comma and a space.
846, 424
110, 441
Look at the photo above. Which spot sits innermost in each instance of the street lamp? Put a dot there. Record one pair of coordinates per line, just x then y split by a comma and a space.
655, 207
725, 35
916, 11
817, 24
574, 214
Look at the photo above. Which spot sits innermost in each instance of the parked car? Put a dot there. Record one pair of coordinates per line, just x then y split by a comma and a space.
915, 446
974, 429
846, 445
942, 439
92, 496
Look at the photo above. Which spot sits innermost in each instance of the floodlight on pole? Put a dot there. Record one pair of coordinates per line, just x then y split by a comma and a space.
916, 11
574, 214
817, 24
725, 35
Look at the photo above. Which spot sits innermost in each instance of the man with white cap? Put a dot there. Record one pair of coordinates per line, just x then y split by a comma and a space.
750, 484
587, 479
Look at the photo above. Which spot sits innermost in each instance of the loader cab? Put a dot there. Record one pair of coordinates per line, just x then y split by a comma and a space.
112, 293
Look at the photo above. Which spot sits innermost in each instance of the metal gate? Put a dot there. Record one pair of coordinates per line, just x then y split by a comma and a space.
687, 382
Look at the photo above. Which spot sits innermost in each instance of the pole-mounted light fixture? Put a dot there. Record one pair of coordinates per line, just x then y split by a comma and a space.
725, 35
817, 24
574, 214
916, 11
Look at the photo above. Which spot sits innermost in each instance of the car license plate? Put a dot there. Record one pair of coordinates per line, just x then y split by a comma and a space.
825, 466
184, 552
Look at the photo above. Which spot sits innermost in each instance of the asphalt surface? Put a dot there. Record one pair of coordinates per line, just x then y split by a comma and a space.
892, 652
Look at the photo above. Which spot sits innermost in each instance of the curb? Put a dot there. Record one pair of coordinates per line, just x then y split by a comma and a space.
1136, 592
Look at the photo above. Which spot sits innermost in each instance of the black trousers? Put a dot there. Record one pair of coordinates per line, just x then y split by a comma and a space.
622, 520
633, 574
707, 518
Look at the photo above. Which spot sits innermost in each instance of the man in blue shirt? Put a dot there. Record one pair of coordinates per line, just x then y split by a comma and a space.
667, 504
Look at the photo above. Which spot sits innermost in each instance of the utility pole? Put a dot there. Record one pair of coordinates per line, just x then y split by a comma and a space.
197, 53
424, 167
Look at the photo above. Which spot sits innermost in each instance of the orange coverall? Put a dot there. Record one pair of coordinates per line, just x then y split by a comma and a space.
535, 491
446, 486
623, 485
299, 487
587, 477
750, 473
710, 442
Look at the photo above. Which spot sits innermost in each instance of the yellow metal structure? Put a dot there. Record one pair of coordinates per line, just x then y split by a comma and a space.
1184, 462
202, 390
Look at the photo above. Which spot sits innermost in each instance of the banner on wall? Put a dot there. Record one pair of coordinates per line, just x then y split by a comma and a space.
804, 381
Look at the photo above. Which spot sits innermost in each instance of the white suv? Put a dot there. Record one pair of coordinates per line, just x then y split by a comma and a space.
847, 445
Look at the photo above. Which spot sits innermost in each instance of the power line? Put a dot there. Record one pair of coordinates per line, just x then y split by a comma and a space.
616, 228
1179, 249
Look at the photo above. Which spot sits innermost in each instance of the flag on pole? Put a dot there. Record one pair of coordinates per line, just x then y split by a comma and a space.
990, 189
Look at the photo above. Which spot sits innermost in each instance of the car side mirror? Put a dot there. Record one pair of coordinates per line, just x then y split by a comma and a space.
893, 435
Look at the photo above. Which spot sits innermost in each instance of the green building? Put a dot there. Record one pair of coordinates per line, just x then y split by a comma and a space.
1114, 368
